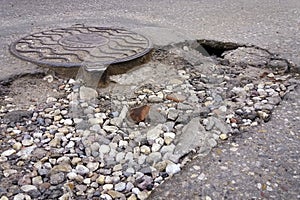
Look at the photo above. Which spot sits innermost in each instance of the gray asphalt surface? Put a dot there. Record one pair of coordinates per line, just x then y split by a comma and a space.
262, 163
271, 24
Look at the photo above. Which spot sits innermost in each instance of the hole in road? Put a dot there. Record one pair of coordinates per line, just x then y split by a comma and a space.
215, 48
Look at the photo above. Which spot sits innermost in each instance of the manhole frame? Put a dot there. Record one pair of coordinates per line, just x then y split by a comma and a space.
13, 50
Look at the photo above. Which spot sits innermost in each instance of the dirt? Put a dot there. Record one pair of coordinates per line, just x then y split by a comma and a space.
29, 90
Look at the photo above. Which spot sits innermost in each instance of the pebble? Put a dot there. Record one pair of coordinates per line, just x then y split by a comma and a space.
172, 168
154, 157
22, 196
154, 133
93, 166
87, 93
132, 197
145, 149
104, 149
155, 99
155, 147
176, 97
120, 186
8, 172
8, 152
106, 197
169, 137
68, 122
116, 194
57, 178
101, 179
82, 170
110, 150
143, 195
223, 136
28, 188
108, 187
139, 114
168, 149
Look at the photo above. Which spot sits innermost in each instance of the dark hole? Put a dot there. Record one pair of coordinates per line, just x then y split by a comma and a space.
215, 48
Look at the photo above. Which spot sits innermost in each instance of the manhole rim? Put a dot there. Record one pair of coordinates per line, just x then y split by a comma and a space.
14, 51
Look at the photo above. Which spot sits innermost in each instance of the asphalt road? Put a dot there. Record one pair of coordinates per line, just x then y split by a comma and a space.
273, 24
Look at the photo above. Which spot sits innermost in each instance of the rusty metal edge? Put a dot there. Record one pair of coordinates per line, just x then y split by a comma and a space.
14, 51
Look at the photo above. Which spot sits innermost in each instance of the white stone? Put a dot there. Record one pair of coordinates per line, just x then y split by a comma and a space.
223, 109
87, 181
22, 196
8, 152
120, 186
9, 172
167, 149
28, 188
71, 81
104, 149
17, 146
155, 99
223, 136
81, 169
94, 121
172, 168
68, 122
136, 190
71, 144
93, 166
57, 118
108, 186
51, 99
87, 93
77, 120
155, 147
143, 195
37, 180
120, 156
117, 167
145, 149
72, 175
154, 132
123, 144
169, 137
4, 198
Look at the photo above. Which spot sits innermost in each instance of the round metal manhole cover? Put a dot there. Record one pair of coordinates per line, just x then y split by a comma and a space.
71, 47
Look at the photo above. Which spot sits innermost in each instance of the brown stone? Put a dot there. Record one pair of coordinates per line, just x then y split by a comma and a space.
115, 194
176, 97
45, 186
140, 113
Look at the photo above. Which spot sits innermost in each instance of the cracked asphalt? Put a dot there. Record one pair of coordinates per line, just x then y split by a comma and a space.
262, 163
270, 24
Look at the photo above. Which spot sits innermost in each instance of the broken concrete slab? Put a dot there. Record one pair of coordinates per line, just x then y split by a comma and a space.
193, 135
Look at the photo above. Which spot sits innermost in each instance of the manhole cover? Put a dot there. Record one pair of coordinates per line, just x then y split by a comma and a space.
71, 47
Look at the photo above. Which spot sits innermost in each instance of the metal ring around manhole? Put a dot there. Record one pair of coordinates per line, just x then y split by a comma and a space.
74, 46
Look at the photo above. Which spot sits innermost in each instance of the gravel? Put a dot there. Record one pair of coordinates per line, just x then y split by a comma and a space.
90, 143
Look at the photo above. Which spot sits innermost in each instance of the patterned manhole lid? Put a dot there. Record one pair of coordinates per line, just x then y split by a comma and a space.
71, 47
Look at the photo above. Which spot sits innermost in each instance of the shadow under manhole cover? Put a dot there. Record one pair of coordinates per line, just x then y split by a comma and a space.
71, 47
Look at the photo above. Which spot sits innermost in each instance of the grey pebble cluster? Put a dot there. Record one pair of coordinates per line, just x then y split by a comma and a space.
73, 148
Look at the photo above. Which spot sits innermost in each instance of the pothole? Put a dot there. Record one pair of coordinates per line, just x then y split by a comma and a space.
215, 48
133, 134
